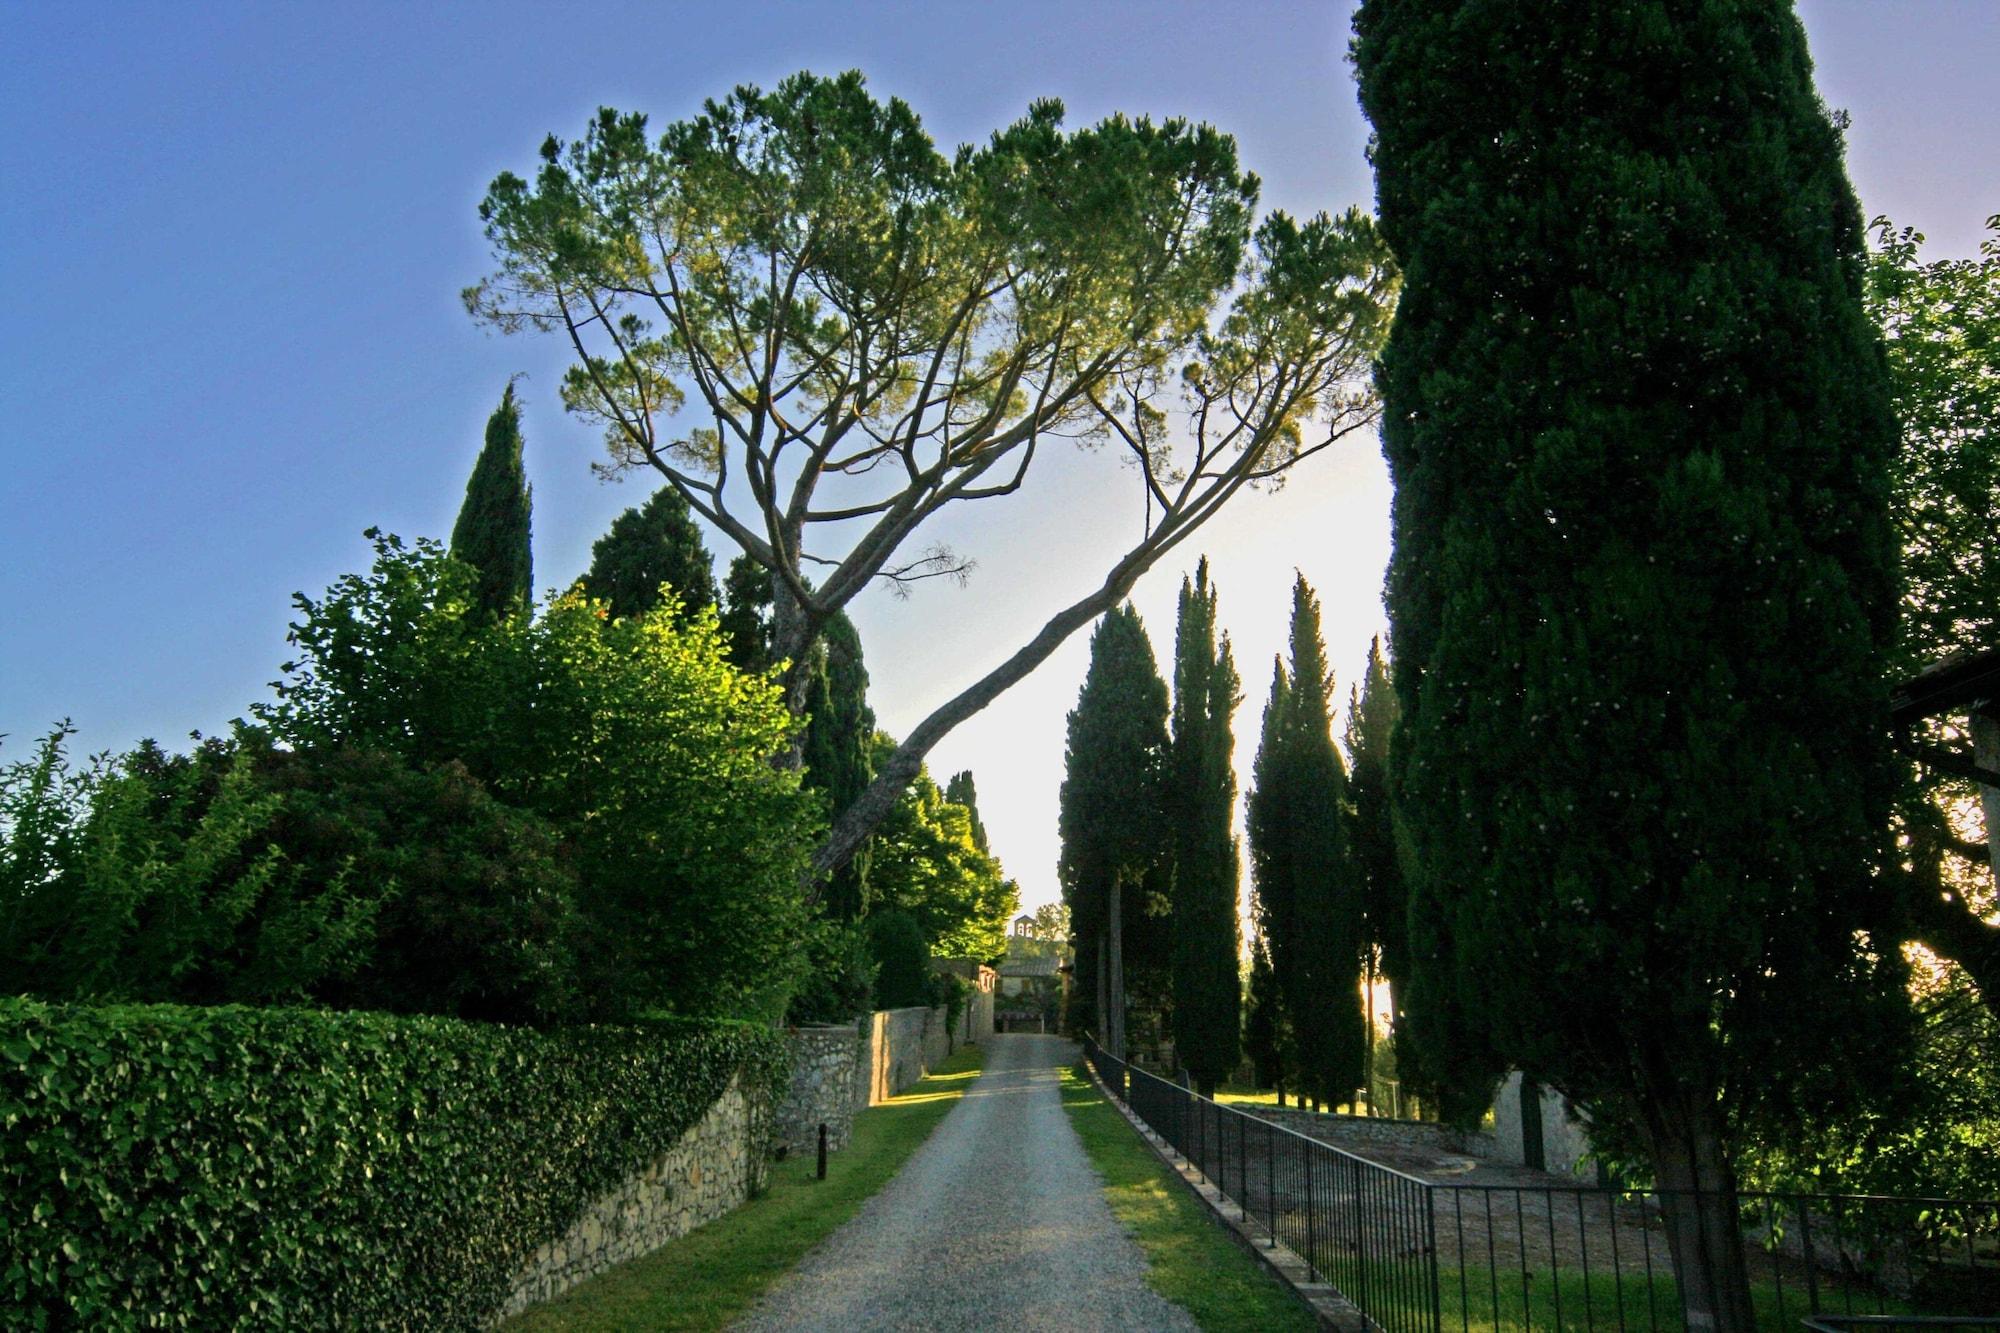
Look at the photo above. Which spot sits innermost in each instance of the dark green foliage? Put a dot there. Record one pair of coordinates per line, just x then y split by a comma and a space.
284, 1168
903, 960
746, 614
1114, 768
1371, 725
839, 752
244, 874
172, 884
649, 545
1264, 1020
1201, 801
634, 738
839, 981
1644, 581
961, 791
491, 534
1308, 888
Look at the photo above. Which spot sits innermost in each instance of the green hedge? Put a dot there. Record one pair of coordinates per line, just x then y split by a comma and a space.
165, 1167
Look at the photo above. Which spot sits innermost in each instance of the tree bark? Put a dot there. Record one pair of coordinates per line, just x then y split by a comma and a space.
1697, 1189
1115, 930
1986, 754
1101, 1020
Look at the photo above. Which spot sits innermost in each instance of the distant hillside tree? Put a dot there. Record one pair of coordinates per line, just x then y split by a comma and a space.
649, 545
1113, 776
492, 531
1201, 800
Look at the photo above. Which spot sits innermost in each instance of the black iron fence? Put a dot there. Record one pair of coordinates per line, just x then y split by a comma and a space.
1422, 1256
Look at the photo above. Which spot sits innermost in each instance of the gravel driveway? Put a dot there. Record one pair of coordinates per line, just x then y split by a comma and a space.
998, 1221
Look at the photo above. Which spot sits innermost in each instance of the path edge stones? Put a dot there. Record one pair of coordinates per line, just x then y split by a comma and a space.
1332, 1310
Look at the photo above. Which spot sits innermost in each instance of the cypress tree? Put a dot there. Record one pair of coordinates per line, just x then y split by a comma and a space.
746, 613
646, 546
1371, 722
1109, 810
838, 746
960, 791
1263, 1022
1643, 580
1272, 882
1323, 992
491, 533
1202, 799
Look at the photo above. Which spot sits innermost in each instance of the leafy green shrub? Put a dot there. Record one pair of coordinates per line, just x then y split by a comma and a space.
634, 737
242, 874
839, 983
281, 1168
903, 960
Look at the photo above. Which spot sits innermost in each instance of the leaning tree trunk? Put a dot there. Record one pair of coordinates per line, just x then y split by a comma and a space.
1697, 1189
1986, 754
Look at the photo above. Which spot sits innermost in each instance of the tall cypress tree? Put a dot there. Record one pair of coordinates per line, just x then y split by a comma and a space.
746, 613
961, 791
1272, 896
1202, 801
491, 533
1308, 889
1644, 579
1109, 809
646, 546
1264, 1021
838, 750
1371, 722
1323, 992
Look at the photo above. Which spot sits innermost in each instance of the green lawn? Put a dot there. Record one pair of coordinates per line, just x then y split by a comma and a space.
1533, 1305
712, 1275
1193, 1263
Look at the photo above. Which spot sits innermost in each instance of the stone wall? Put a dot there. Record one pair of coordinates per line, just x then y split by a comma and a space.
898, 1047
1565, 1133
716, 1166
1342, 1130
825, 1061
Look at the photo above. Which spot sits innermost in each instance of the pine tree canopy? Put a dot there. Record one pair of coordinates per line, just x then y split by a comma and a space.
1201, 799
655, 543
491, 533
1644, 579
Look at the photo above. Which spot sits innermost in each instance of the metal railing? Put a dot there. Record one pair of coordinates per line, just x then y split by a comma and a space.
1422, 1256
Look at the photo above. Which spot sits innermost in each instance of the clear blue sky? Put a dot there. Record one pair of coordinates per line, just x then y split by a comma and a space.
232, 238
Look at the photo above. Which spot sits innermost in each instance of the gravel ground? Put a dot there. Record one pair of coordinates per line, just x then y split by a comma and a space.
998, 1221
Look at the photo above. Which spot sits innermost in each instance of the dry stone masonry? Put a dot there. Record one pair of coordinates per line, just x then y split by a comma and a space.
716, 1166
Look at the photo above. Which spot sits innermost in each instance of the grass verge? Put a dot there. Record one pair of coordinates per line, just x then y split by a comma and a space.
1505, 1303
710, 1276
1190, 1260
